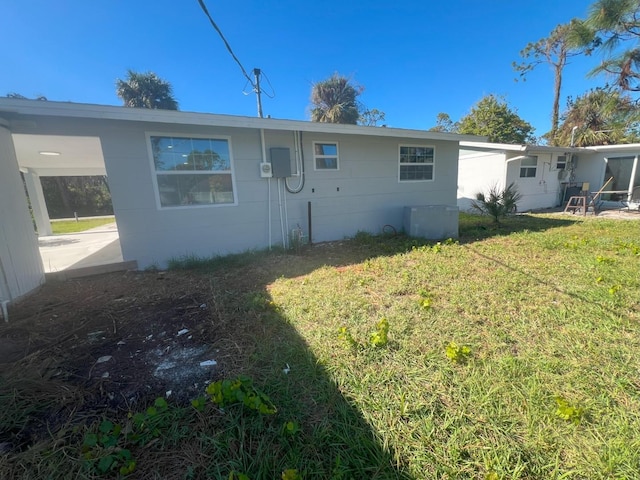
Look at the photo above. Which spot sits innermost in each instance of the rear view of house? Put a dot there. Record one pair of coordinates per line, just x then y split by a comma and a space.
199, 184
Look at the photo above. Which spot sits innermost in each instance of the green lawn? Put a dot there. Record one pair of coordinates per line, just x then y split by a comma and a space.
71, 226
511, 354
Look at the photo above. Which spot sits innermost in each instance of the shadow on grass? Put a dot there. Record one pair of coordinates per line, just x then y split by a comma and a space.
473, 228
316, 432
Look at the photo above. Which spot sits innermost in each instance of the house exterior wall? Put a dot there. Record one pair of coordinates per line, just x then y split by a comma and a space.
21, 267
541, 191
364, 194
591, 168
478, 173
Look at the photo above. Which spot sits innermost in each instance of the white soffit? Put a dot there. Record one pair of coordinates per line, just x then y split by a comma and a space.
77, 155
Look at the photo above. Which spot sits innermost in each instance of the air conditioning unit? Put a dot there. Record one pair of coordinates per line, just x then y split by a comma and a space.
265, 170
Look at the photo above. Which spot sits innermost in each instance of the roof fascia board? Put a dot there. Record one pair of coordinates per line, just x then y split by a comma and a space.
508, 147
107, 112
615, 148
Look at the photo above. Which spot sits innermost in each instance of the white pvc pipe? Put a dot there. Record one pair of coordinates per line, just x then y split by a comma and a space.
264, 160
5, 311
284, 240
634, 169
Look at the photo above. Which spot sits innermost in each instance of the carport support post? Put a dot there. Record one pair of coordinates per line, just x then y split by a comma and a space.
38, 205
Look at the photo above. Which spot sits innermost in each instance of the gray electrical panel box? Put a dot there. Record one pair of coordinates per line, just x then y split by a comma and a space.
281, 162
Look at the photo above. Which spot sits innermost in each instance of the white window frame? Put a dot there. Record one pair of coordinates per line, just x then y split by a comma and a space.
563, 163
529, 168
155, 173
319, 157
401, 163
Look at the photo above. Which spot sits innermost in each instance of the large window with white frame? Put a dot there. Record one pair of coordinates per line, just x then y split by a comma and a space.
416, 163
325, 155
192, 170
528, 167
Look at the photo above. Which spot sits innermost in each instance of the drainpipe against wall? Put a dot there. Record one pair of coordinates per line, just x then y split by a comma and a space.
264, 160
634, 170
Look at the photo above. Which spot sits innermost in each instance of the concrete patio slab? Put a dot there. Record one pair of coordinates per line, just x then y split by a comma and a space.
94, 247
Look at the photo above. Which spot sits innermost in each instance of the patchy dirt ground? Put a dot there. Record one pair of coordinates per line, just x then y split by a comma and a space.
128, 337
122, 337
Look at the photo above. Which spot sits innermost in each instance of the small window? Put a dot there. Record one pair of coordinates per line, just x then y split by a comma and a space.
416, 163
325, 156
528, 167
192, 171
561, 162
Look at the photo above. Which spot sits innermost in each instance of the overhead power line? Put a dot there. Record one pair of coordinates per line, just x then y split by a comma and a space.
226, 44
255, 84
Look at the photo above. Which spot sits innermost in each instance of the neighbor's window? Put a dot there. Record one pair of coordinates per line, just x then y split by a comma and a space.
416, 163
192, 171
528, 167
325, 156
561, 162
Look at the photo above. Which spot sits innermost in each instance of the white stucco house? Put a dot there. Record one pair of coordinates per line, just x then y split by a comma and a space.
546, 176
201, 184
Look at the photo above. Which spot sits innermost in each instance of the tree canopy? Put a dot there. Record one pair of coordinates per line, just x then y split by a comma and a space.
371, 117
491, 117
334, 100
554, 50
614, 26
602, 116
146, 90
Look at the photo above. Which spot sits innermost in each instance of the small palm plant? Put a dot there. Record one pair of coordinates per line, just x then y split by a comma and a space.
497, 203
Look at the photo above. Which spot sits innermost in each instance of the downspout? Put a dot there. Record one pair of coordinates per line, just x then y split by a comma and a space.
5, 310
519, 157
634, 170
264, 160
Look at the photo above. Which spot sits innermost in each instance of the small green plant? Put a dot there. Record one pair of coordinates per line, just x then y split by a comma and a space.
290, 428
567, 411
425, 299
345, 335
291, 474
605, 260
103, 453
199, 403
497, 203
240, 391
458, 353
150, 424
260, 302
380, 337
614, 289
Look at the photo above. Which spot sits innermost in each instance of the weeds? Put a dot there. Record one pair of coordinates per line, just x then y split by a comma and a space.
531, 300
459, 354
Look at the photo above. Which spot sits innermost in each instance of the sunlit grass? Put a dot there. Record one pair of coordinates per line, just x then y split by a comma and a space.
72, 226
543, 314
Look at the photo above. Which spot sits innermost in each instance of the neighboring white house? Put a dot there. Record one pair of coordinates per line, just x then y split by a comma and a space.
200, 184
545, 176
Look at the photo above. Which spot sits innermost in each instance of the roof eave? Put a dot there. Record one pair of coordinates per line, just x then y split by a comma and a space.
109, 112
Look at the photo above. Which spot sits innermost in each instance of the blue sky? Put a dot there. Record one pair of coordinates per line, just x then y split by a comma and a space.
414, 58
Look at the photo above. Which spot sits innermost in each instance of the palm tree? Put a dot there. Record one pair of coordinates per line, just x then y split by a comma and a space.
334, 101
145, 90
614, 26
603, 116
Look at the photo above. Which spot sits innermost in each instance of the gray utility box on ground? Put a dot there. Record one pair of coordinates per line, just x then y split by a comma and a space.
434, 222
